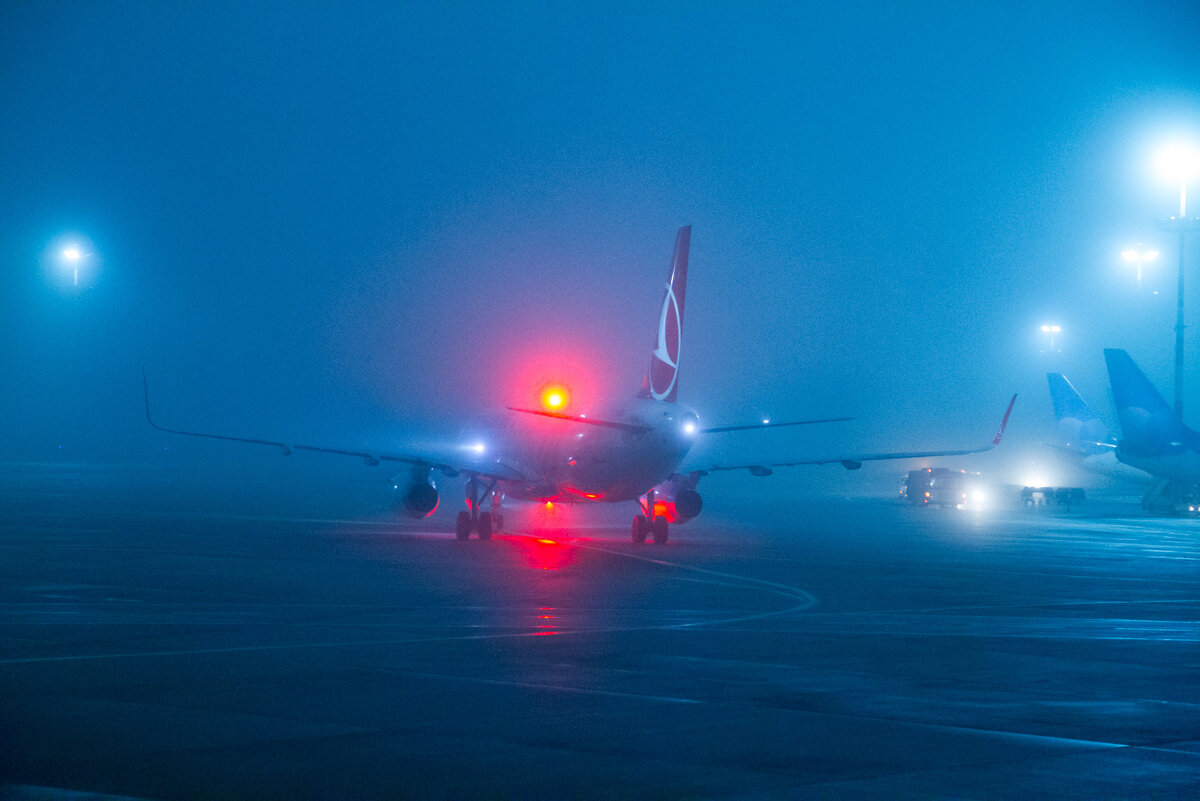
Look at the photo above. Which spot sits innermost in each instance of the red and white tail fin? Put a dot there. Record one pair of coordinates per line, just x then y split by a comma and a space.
662, 379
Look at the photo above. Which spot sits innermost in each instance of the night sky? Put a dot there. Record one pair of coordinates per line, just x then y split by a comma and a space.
363, 224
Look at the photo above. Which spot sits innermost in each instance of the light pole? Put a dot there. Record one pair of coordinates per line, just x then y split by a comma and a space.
1051, 330
1136, 254
1179, 162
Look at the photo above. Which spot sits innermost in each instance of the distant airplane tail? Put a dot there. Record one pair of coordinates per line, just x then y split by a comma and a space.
1079, 428
1148, 423
662, 378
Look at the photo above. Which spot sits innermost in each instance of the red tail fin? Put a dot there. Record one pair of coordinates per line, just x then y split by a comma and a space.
662, 379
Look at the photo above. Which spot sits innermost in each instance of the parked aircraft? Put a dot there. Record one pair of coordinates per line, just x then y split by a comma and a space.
1154, 439
1084, 439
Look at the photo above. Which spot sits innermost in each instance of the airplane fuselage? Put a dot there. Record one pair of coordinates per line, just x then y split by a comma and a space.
1176, 461
639, 446
1107, 463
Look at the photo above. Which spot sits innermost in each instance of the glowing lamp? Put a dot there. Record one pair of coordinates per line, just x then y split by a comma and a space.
73, 255
1051, 331
1178, 162
555, 397
1137, 255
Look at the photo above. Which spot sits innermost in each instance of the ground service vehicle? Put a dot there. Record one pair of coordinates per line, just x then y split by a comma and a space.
940, 486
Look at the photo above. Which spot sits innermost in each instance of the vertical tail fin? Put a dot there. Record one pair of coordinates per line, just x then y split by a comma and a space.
1079, 427
1148, 422
662, 379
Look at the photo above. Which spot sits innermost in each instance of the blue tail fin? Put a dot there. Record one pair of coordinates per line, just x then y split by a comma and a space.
1148, 423
1078, 426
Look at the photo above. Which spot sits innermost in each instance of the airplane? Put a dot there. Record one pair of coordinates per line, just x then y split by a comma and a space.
634, 450
1084, 437
1154, 439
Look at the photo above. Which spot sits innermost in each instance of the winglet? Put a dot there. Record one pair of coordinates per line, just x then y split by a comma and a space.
146, 395
283, 446
1004, 421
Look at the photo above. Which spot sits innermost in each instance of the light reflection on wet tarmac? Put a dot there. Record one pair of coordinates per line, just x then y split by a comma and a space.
870, 651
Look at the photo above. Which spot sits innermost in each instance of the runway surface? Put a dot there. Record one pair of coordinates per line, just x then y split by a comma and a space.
153, 646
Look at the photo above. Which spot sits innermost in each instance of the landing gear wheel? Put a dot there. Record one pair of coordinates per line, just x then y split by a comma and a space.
641, 527
659, 527
484, 526
462, 525
497, 522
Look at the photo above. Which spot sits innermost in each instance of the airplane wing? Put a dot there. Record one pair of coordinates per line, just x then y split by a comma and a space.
584, 419
854, 461
1082, 449
451, 468
641, 429
770, 424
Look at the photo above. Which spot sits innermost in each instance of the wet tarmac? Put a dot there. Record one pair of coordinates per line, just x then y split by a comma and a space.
155, 647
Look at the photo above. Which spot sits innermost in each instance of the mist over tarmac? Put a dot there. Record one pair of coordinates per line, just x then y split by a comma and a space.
365, 227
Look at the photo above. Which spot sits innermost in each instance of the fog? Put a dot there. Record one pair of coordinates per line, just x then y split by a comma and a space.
360, 227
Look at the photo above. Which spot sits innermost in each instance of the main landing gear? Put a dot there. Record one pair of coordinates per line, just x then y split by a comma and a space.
471, 519
649, 524
644, 526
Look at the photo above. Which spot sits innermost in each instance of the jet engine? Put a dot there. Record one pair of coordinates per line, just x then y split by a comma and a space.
417, 495
676, 498
688, 504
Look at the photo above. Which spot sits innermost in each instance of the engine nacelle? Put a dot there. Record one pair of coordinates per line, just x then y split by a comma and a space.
418, 495
677, 499
688, 504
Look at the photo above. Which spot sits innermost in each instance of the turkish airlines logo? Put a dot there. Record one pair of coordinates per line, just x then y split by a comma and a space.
664, 362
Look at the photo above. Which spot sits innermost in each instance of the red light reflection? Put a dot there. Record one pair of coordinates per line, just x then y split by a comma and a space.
545, 622
543, 553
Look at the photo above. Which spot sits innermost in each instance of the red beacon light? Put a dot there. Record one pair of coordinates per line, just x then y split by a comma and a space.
555, 397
